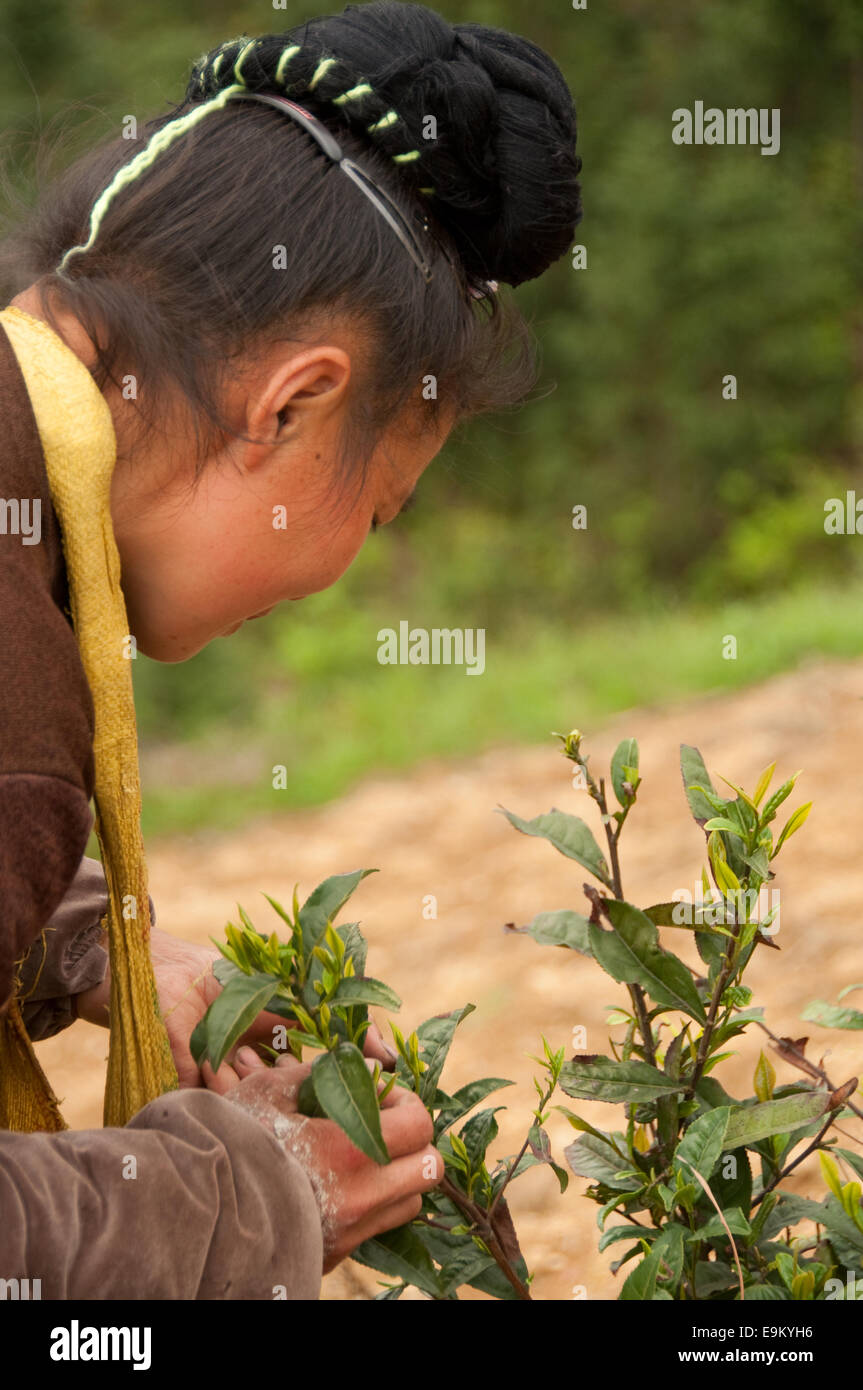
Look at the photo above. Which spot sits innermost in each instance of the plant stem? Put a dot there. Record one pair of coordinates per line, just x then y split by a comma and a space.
636, 993
436, 1225
521, 1153
637, 996
728, 969
481, 1219
598, 794
707, 1031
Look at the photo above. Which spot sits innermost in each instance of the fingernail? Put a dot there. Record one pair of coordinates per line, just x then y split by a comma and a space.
248, 1057
391, 1052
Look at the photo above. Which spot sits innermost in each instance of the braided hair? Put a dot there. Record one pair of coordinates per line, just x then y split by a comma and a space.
165, 253
500, 171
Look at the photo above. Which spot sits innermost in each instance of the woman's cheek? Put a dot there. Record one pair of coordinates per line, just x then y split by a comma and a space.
322, 559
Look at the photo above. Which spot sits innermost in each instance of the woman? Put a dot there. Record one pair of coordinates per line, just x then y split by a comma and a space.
260, 323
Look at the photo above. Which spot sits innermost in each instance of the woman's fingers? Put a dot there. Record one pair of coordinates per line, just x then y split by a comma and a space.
247, 1060
406, 1126
382, 1219
388, 1197
374, 1046
221, 1081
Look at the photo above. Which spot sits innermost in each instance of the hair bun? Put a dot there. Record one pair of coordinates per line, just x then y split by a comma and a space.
497, 162
504, 165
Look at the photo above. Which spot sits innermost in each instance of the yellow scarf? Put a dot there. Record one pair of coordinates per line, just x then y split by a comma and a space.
78, 442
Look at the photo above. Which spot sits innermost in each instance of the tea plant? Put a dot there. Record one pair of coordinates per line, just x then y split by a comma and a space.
696, 1175
315, 981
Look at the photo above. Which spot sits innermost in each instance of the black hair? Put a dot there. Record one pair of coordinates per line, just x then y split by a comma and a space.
179, 283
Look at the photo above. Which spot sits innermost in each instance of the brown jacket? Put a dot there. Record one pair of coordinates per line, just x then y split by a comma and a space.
193, 1199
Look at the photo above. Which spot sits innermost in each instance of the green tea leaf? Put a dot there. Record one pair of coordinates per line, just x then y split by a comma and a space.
225, 970
830, 1173
845, 1234
631, 953
759, 861
356, 947
714, 1230
641, 1283
798, 818
764, 1080
713, 1276
763, 783
365, 990
435, 1038
601, 1078
463, 1267
662, 915
695, 776
618, 1233
570, 836
478, 1133
402, 1255
702, 1144
464, 1099
750, 1124
540, 1152
323, 904
669, 1247
849, 989
561, 928
777, 799
723, 823
831, 1016
624, 760
598, 1159
854, 1161
198, 1040
704, 803
346, 1093
229, 1015
736, 1189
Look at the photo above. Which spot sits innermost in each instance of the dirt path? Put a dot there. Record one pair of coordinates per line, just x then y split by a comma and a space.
435, 833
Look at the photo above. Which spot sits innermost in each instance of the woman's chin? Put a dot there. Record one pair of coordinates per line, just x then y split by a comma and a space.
174, 647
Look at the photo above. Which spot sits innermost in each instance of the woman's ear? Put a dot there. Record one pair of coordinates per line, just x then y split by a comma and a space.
306, 388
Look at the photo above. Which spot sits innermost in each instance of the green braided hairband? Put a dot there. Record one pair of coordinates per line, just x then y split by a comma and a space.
356, 93
170, 132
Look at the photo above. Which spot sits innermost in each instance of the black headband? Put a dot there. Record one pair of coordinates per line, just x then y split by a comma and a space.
333, 150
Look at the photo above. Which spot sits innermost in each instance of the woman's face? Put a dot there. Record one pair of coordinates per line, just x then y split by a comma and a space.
264, 522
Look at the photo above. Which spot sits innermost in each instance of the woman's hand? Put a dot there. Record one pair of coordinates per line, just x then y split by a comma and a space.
358, 1198
187, 988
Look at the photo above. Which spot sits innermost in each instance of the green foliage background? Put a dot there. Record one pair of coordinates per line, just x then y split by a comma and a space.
705, 517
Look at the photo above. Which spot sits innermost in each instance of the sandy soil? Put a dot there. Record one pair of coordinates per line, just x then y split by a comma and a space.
435, 832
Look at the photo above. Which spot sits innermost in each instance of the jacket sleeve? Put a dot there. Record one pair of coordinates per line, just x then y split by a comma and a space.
46, 728
46, 758
69, 957
193, 1199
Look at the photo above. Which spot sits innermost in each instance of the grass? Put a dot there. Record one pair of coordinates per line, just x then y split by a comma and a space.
319, 705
